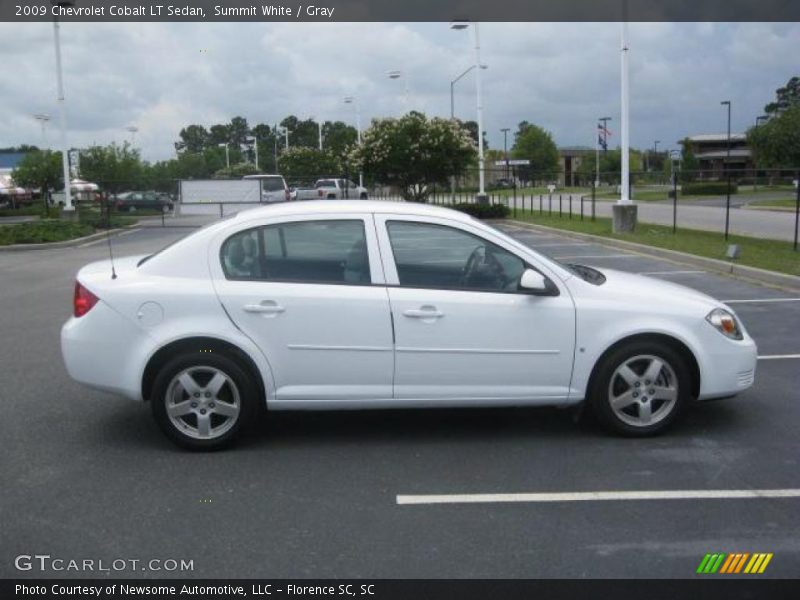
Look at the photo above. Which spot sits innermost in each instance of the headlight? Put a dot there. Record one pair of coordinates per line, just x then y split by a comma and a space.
725, 322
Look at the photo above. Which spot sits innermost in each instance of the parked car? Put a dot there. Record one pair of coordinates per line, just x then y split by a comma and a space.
333, 189
273, 188
351, 305
133, 201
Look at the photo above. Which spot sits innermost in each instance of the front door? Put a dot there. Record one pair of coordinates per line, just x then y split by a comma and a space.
464, 331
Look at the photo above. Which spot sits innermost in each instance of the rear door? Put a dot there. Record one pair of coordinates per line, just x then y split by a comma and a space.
302, 289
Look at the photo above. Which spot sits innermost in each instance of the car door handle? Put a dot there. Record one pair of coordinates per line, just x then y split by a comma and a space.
425, 312
267, 307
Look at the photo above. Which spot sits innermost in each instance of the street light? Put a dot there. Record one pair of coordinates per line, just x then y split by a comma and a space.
396, 74
227, 154
354, 101
62, 113
43, 119
132, 130
459, 25
452, 85
725, 169
655, 153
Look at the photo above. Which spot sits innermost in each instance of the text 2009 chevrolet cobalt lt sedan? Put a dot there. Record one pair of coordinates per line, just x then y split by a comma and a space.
343, 305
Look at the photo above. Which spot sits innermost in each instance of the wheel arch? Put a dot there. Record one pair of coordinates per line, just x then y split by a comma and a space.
677, 345
198, 344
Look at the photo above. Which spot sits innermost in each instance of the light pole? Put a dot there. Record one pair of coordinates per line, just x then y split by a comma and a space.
319, 124
505, 131
655, 149
604, 121
227, 154
43, 119
726, 166
354, 101
396, 74
452, 86
62, 111
624, 210
458, 25
132, 130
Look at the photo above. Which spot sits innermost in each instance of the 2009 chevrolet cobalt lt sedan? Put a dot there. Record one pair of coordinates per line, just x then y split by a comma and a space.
349, 305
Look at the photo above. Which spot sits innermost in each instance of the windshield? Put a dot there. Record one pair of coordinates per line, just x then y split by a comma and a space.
272, 184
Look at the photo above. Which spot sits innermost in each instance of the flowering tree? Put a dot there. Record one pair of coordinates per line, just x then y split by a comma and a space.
414, 153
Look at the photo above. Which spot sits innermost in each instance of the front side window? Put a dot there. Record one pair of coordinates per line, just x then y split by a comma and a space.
436, 256
303, 251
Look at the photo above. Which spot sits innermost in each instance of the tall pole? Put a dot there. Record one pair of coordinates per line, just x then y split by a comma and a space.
727, 173
62, 115
452, 101
255, 147
626, 183
604, 121
505, 131
354, 101
481, 174
43, 119
319, 124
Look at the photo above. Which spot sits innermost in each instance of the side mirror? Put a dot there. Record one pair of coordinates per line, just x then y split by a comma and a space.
537, 284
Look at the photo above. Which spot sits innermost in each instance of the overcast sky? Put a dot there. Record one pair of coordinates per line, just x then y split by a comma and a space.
161, 77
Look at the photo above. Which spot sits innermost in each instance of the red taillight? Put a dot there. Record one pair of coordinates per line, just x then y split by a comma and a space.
84, 300
320, 193
287, 195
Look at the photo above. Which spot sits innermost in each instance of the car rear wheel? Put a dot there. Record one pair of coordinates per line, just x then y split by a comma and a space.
640, 389
363, 196
202, 400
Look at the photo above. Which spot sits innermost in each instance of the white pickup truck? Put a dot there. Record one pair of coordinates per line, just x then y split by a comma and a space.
332, 189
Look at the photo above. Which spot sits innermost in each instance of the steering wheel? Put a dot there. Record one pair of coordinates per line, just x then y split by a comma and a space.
478, 259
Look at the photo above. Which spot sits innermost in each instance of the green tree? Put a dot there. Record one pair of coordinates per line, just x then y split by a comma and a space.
689, 163
115, 168
338, 138
194, 138
237, 171
533, 143
776, 143
785, 98
305, 165
41, 169
414, 153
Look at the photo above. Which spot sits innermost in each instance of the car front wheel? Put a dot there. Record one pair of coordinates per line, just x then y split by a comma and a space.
641, 389
202, 400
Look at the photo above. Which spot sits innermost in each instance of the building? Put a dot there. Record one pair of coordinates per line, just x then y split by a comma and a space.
711, 152
9, 161
570, 159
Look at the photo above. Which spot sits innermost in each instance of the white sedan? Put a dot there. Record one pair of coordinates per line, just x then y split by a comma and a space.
354, 304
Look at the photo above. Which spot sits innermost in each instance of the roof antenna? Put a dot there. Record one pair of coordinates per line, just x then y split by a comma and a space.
108, 235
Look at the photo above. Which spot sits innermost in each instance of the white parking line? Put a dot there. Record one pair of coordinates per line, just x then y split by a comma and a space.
598, 256
561, 244
671, 272
595, 496
757, 300
778, 356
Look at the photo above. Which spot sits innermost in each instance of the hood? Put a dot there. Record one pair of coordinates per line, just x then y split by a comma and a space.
652, 290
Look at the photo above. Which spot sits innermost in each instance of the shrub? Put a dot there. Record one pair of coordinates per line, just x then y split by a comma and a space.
711, 188
484, 211
39, 232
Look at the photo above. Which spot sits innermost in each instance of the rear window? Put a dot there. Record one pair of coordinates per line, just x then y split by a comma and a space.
326, 183
272, 184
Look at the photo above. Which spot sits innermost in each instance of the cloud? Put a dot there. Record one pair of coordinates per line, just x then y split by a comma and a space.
164, 76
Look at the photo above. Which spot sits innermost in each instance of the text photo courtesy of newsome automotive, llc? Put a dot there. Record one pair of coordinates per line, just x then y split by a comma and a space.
382, 300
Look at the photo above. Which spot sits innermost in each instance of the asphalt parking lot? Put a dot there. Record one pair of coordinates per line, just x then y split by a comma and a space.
88, 475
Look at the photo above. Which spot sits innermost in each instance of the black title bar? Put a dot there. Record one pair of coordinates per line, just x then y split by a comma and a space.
399, 10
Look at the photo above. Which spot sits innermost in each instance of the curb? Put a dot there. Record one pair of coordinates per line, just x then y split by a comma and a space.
65, 243
753, 274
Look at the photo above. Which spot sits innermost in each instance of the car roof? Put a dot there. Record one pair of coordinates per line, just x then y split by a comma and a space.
352, 206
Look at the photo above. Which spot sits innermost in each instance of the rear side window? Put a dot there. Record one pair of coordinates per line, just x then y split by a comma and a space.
325, 183
332, 251
272, 184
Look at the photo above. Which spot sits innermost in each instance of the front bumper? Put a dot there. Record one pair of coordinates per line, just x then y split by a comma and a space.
730, 369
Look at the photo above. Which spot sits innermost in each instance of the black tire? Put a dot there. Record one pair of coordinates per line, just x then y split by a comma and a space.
629, 421
240, 383
363, 196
